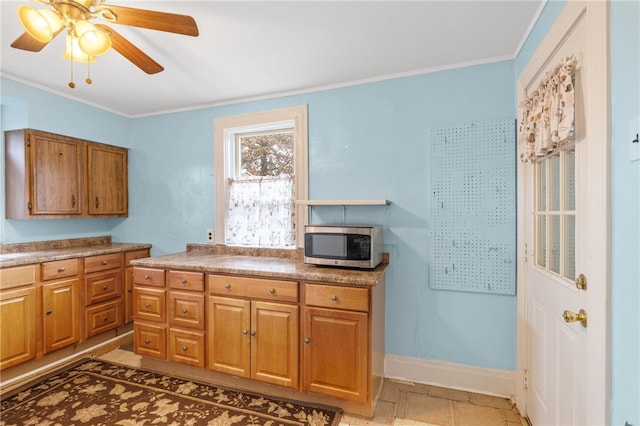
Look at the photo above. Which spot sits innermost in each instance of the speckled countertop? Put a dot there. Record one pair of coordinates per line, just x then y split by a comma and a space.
265, 263
46, 251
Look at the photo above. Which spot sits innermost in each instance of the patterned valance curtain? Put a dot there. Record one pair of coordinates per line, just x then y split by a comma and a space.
547, 117
261, 212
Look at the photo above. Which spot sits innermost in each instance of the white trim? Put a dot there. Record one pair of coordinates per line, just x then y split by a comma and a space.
597, 116
223, 125
450, 375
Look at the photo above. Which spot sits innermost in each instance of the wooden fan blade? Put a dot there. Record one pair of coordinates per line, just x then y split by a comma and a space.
131, 52
153, 20
26, 42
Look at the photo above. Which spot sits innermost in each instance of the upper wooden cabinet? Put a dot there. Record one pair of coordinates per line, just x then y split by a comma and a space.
51, 176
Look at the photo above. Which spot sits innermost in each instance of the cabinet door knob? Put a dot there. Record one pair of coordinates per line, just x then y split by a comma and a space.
184, 311
146, 277
73, 200
105, 319
272, 290
61, 269
334, 297
245, 331
253, 332
97, 203
306, 340
184, 349
104, 262
184, 282
49, 312
227, 286
147, 341
105, 288
146, 305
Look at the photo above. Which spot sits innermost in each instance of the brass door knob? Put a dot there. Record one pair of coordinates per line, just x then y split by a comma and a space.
570, 316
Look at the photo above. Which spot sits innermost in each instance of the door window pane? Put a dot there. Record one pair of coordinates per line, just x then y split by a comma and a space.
570, 247
554, 183
541, 252
570, 180
554, 243
541, 199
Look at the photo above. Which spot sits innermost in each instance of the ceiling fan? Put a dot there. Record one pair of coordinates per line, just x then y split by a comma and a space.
86, 40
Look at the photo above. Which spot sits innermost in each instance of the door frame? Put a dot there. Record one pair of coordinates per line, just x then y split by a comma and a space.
598, 240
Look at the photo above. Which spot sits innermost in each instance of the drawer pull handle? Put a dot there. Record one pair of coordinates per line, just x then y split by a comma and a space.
104, 262
105, 319
105, 288
227, 286
245, 331
147, 341
129, 291
146, 277
334, 297
184, 282
49, 312
272, 290
184, 349
184, 311
147, 305
306, 340
61, 269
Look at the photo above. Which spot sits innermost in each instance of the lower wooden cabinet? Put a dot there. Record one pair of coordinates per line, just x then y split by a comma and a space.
150, 339
61, 309
103, 317
186, 347
17, 325
127, 292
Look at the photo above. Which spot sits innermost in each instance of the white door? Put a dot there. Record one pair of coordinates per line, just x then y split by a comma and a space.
563, 230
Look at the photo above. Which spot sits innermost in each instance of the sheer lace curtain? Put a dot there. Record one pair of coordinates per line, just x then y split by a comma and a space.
261, 212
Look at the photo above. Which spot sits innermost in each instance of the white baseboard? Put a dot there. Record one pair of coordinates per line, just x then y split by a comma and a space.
450, 375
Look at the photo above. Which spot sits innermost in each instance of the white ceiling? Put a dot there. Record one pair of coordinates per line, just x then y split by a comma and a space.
254, 49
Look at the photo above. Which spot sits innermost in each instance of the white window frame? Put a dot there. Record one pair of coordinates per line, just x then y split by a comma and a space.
225, 130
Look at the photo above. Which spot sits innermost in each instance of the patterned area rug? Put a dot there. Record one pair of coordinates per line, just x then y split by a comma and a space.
99, 393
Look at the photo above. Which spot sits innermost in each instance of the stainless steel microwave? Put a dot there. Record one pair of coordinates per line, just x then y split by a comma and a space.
357, 246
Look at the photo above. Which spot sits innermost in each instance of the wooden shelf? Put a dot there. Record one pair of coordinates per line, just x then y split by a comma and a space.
344, 202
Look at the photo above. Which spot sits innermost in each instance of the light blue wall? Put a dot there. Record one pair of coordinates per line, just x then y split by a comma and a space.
625, 214
366, 141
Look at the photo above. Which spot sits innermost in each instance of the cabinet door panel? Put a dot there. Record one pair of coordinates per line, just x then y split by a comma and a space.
335, 348
57, 176
17, 326
149, 304
228, 336
102, 286
103, 317
186, 309
61, 308
186, 347
274, 343
107, 180
149, 340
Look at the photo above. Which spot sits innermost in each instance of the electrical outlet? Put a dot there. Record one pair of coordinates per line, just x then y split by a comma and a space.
210, 235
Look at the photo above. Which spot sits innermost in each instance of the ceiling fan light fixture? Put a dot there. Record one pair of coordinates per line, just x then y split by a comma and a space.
40, 24
91, 40
74, 53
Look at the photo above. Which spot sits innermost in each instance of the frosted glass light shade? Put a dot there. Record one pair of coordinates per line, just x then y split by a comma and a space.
91, 40
74, 53
40, 24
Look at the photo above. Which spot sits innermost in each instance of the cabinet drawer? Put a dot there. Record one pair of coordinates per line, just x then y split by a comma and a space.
148, 304
149, 340
186, 309
132, 255
254, 288
100, 287
102, 262
146, 276
17, 277
186, 280
186, 347
103, 317
59, 269
330, 296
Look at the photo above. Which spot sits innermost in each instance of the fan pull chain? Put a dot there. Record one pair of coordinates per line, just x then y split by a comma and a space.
71, 83
88, 80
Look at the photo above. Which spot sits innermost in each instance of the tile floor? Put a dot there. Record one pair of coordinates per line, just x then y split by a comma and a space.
411, 404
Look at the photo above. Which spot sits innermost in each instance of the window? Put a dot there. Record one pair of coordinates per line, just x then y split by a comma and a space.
555, 213
260, 170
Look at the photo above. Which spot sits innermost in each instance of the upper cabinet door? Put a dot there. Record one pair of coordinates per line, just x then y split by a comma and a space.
107, 180
56, 175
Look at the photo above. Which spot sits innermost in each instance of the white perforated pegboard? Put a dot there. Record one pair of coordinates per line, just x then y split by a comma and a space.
473, 207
